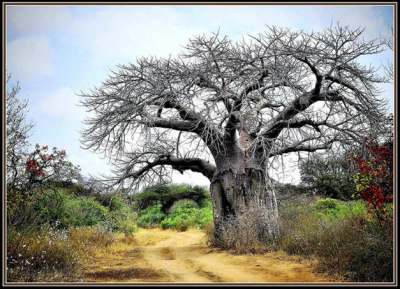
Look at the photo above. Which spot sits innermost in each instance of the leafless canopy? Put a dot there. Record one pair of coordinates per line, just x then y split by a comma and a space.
285, 91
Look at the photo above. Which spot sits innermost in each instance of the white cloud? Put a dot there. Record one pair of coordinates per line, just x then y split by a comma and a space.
125, 33
38, 19
89, 162
119, 34
191, 178
61, 105
29, 58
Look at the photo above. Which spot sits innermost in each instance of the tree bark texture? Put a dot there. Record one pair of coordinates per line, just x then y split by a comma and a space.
241, 186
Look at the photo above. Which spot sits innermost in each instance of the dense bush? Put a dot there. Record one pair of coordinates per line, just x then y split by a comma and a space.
374, 177
168, 195
187, 215
342, 236
123, 220
114, 201
328, 176
64, 229
151, 217
333, 208
285, 192
43, 171
182, 215
51, 208
49, 255
65, 210
241, 233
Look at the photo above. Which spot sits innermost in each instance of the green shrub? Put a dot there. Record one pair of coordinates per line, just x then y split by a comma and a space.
331, 207
123, 220
328, 175
66, 210
176, 207
116, 204
188, 214
145, 200
183, 203
168, 195
150, 217
325, 204
342, 236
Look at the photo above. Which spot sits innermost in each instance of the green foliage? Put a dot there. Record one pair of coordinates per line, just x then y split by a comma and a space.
116, 205
43, 172
69, 187
328, 176
66, 210
150, 217
146, 199
63, 210
123, 218
114, 201
331, 207
289, 191
341, 235
183, 214
188, 215
326, 204
168, 195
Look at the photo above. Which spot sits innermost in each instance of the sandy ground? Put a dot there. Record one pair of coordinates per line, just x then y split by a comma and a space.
184, 257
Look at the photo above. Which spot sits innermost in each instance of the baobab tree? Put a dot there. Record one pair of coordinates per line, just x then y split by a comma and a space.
227, 109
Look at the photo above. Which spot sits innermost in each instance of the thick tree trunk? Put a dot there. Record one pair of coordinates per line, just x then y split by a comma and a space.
241, 186
247, 193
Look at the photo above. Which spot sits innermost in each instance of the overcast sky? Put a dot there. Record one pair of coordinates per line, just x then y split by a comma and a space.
56, 51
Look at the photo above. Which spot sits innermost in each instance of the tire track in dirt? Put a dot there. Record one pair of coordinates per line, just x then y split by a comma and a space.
185, 257
166, 256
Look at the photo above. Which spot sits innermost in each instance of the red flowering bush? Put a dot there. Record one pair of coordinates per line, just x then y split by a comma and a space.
374, 178
43, 170
42, 165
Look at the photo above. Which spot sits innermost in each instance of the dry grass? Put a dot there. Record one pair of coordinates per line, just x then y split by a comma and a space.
53, 256
241, 233
330, 238
209, 230
337, 242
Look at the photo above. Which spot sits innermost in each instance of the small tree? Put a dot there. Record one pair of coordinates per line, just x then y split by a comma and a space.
168, 195
43, 173
328, 175
17, 134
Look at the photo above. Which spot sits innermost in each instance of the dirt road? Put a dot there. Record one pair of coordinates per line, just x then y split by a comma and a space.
184, 257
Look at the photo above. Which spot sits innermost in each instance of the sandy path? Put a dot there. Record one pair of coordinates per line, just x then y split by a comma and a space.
184, 257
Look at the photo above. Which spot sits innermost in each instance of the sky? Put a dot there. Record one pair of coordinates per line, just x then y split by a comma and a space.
57, 51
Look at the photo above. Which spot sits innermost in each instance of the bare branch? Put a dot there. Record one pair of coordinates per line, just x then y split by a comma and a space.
279, 92
303, 148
